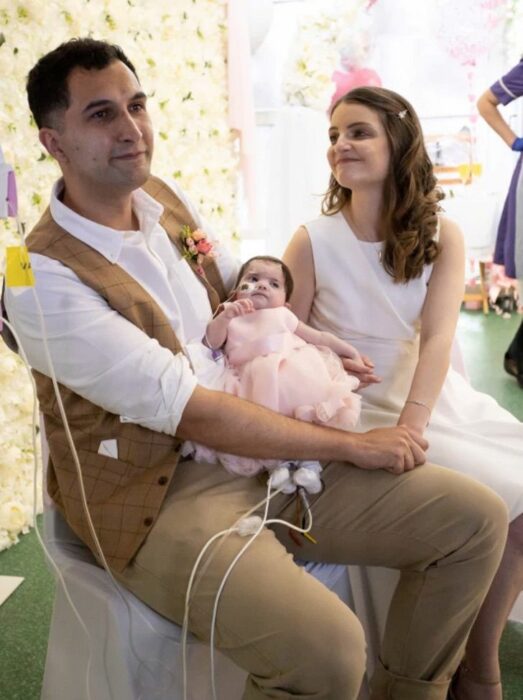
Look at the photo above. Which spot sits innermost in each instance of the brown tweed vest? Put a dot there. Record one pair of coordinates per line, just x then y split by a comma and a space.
124, 494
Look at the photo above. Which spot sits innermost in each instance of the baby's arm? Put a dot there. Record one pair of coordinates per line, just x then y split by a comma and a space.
216, 333
337, 345
354, 363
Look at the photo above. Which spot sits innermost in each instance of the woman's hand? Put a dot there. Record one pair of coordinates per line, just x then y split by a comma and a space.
397, 450
362, 369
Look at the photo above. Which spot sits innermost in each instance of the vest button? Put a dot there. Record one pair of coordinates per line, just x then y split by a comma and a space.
148, 522
163, 480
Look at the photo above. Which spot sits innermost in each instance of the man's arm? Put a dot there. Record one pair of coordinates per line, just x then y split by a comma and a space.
244, 428
103, 357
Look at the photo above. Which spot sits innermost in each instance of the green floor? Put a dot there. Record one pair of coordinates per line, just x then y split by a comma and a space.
24, 617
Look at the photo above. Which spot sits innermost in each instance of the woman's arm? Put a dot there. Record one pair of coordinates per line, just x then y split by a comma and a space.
488, 108
438, 325
300, 260
329, 340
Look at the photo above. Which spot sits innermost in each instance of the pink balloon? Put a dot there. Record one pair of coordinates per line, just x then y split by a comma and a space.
357, 77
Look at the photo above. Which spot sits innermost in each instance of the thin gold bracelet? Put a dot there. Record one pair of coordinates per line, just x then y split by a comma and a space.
419, 403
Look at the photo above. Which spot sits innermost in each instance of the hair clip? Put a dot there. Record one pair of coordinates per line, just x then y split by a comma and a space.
402, 114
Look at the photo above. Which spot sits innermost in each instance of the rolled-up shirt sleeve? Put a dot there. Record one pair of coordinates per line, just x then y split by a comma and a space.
96, 352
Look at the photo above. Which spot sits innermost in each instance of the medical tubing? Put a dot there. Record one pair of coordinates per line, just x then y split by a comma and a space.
39, 537
263, 524
190, 585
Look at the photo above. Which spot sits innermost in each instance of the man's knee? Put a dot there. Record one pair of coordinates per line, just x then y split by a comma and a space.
334, 658
478, 519
489, 512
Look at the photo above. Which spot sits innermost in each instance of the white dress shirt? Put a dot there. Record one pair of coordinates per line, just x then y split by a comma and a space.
98, 353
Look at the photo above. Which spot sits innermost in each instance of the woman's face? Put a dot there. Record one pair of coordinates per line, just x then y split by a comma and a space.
359, 153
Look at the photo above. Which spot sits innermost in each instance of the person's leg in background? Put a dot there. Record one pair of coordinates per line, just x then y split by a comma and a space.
513, 360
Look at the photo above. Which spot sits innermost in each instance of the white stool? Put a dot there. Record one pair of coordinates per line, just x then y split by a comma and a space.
148, 669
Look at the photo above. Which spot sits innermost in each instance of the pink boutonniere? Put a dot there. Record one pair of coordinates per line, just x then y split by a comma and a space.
196, 247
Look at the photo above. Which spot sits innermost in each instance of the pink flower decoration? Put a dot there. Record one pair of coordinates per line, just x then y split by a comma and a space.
204, 247
196, 247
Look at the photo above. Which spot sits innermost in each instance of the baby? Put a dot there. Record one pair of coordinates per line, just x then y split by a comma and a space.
275, 360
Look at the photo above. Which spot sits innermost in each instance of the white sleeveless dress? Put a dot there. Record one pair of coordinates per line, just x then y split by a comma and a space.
468, 432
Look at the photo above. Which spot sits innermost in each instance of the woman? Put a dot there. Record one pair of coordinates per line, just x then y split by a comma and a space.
509, 243
384, 270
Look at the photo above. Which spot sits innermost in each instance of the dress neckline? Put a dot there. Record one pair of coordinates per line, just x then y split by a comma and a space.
359, 240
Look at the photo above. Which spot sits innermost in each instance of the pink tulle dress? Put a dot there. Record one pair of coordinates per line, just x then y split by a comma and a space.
268, 364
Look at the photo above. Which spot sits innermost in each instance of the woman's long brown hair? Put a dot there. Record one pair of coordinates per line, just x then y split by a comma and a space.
409, 217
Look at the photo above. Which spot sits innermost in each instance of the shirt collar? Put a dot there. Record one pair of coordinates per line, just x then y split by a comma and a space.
107, 241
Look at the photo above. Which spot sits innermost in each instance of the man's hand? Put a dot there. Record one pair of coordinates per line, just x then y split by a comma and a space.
240, 307
362, 370
397, 450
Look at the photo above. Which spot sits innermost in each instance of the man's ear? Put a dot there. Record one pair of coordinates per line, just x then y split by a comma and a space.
51, 141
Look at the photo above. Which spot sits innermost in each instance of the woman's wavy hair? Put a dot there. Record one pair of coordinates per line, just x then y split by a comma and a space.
410, 193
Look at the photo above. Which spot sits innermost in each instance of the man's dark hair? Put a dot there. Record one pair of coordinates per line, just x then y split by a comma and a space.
287, 276
47, 89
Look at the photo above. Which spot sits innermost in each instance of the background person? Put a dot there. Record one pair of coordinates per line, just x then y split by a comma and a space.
509, 242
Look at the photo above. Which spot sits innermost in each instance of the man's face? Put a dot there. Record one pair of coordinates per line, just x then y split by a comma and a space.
104, 139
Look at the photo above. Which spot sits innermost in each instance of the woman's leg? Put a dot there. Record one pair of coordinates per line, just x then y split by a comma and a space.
481, 660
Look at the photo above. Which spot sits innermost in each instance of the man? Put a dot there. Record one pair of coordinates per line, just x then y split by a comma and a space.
122, 309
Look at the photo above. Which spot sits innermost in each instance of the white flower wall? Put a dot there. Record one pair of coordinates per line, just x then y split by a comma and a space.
178, 48
308, 77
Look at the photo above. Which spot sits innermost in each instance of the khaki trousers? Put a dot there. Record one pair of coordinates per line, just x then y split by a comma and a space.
444, 531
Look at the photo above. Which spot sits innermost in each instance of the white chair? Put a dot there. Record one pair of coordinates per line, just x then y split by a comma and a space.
135, 654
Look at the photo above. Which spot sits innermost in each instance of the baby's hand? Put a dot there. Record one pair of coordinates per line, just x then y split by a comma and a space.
363, 369
240, 307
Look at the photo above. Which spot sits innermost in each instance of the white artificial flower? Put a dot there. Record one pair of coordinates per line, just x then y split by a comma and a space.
13, 516
323, 38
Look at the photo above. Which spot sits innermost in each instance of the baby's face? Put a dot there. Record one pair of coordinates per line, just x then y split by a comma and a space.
264, 284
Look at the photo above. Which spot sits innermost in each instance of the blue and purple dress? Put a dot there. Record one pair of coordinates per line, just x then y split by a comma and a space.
509, 242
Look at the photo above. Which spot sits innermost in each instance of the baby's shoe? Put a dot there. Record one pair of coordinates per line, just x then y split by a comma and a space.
308, 476
281, 479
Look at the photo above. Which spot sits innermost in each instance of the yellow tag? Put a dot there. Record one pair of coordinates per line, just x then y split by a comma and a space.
310, 538
18, 272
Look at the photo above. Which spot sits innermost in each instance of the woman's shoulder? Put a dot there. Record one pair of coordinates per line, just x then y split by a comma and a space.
451, 241
448, 230
321, 225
